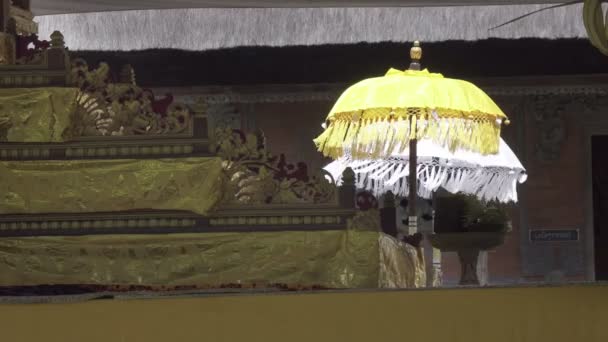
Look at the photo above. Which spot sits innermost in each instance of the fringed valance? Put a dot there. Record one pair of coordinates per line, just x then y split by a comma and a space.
216, 28
490, 178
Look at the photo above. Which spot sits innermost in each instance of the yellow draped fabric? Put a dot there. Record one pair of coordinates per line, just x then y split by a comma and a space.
401, 265
378, 116
335, 259
36, 114
73, 186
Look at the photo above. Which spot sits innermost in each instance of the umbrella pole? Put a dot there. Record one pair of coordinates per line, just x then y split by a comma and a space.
413, 191
416, 56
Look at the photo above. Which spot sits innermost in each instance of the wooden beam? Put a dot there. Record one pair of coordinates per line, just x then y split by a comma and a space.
25, 4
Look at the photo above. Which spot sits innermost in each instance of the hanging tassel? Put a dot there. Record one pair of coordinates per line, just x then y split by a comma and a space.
412, 127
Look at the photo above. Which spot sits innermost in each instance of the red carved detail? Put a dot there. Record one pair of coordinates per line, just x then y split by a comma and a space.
23, 50
366, 201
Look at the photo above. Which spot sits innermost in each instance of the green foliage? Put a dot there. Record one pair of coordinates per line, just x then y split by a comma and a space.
484, 216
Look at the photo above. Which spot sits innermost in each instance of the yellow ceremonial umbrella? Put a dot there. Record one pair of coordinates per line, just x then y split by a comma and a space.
380, 116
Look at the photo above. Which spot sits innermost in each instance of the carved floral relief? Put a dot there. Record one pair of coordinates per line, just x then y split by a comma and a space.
115, 109
258, 177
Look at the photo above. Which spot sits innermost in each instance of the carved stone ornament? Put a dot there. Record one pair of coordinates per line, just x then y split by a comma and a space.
30, 50
257, 177
224, 116
548, 116
20, 45
24, 20
114, 109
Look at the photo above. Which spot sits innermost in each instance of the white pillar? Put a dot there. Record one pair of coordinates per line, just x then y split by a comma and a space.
482, 268
437, 275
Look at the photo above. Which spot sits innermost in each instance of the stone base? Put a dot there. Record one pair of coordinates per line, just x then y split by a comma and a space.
468, 266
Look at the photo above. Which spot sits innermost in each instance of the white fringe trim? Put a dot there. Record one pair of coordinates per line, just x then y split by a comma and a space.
381, 176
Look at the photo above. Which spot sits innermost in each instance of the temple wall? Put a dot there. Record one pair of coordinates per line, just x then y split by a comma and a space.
290, 128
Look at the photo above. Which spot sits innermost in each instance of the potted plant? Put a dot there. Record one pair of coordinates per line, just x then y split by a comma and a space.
466, 225
489, 217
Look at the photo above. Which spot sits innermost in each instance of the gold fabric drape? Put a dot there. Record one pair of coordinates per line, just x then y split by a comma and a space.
337, 259
74, 186
401, 265
334, 259
36, 114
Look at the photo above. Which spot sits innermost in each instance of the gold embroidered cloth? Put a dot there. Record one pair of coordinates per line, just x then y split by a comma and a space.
401, 265
335, 259
73, 186
36, 114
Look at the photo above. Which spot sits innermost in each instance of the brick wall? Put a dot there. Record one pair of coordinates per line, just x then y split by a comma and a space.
291, 127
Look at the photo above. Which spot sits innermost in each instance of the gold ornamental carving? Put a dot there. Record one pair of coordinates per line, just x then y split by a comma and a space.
258, 177
106, 108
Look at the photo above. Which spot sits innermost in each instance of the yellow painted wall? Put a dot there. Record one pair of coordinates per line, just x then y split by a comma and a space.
574, 313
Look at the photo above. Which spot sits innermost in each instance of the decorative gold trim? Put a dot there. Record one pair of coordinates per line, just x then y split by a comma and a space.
103, 149
20, 153
25, 80
276, 220
124, 151
96, 224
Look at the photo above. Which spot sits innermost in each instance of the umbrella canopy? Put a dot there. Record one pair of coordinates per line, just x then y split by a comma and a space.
489, 177
378, 117
383, 116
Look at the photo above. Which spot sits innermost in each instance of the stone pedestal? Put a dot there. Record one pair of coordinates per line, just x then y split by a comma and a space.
468, 245
468, 266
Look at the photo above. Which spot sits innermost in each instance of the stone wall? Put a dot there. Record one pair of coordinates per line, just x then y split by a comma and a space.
547, 135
